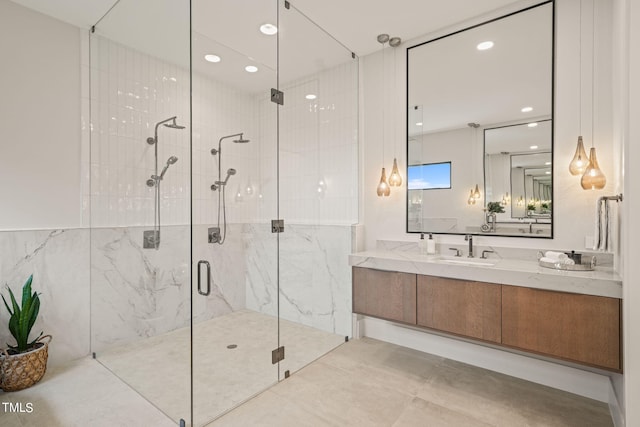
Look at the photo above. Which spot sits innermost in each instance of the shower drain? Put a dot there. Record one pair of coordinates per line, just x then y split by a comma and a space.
232, 346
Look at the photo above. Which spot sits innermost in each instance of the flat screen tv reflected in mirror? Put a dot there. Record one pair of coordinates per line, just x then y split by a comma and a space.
429, 176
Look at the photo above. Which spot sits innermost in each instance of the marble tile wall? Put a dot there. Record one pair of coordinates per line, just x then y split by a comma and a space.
315, 279
137, 292
59, 262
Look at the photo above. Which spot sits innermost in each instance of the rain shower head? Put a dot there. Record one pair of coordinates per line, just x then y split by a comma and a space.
241, 140
173, 125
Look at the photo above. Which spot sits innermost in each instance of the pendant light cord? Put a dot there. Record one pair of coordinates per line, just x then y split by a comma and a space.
383, 103
580, 68
593, 69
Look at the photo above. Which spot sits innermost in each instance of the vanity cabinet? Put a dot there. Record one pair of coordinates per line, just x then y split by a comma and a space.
579, 328
461, 307
389, 295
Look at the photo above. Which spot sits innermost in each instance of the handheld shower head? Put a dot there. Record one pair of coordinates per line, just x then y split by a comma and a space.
170, 161
230, 171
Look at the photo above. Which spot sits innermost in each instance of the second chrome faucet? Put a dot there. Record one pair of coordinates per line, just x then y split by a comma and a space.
469, 238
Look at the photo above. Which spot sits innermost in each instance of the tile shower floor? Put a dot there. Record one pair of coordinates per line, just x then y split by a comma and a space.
362, 383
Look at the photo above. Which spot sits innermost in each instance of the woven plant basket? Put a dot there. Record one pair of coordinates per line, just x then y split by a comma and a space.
22, 370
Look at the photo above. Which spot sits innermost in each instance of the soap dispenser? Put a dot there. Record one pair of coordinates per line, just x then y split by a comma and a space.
431, 245
422, 244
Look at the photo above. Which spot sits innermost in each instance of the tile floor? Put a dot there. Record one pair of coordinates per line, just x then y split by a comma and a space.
371, 383
362, 383
158, 367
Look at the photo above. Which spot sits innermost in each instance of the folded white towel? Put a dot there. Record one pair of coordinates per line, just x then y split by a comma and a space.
565, 261
555, 255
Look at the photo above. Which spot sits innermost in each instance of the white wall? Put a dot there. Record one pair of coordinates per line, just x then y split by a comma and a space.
39, 121
627, 19
384, 218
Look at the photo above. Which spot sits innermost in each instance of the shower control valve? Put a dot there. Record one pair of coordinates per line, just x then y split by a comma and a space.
214, 234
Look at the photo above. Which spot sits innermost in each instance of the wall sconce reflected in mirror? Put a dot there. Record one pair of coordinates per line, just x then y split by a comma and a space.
520, 201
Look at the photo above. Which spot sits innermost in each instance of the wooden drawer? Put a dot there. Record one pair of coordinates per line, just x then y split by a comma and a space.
471, 309
385, 294
580, 328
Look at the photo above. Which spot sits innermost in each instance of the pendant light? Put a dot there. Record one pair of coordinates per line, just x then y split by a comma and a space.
383, 187
593, 178
471, 200
395, 180
580, 161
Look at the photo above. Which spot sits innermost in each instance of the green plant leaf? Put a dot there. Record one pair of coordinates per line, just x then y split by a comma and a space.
23, 318
34, 312
7, 305
26, 291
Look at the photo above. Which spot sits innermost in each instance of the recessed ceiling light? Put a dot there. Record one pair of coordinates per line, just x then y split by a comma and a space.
251, 68
212, 58
310, 96
547, 163
548, 172
419, 124
533, 147
268, 29
485, 45
527, 109
532, 125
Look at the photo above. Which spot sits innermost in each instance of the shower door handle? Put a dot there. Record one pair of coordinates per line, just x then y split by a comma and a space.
208, 291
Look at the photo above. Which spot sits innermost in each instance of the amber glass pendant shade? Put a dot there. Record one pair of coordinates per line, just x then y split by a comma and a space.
593, 178
580, 161
395, 180
383, 188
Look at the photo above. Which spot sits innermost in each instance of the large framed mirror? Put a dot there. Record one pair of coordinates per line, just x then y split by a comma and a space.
478, 100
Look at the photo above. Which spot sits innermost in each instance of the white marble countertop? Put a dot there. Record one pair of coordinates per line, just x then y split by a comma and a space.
603, 281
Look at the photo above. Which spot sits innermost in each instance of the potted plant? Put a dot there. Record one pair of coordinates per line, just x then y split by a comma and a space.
495, 207
24, 364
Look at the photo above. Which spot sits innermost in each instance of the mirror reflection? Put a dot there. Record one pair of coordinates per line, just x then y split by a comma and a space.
518, 166
477, 101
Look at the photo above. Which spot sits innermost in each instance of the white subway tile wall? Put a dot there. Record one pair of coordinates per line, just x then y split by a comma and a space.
132, 91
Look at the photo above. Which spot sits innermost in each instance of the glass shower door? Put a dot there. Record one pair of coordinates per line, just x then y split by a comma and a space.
235, 302
139, 199
318, 170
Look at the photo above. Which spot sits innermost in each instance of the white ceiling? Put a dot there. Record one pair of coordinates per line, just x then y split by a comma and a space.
355, 23
230, 29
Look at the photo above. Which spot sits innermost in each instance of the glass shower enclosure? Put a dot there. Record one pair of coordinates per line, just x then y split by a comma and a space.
224, 186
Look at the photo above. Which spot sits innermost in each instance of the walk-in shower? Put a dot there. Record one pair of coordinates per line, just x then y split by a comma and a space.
217, 234
271, 301
151, 238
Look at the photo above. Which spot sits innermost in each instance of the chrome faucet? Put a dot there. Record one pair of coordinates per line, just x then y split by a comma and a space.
469, 238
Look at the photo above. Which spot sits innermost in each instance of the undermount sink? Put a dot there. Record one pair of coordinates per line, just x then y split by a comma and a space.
466, 261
